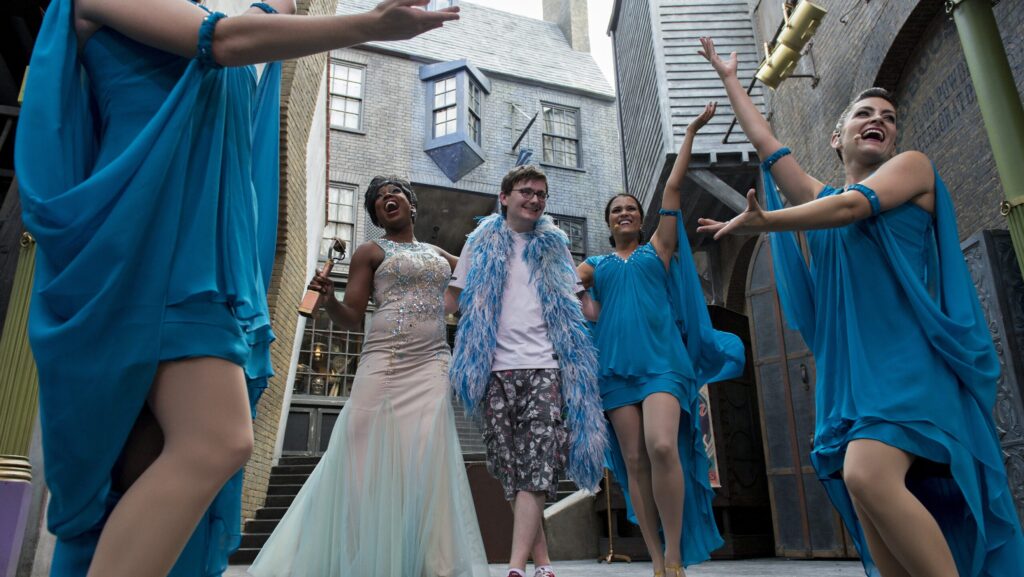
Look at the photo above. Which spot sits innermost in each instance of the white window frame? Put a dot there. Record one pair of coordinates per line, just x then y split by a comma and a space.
347, 86
558, 138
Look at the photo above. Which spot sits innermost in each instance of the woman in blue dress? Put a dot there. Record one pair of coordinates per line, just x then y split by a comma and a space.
147, 164
650, 380
904, 439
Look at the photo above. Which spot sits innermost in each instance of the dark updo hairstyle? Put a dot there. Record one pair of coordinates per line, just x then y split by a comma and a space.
608, 215
874, 92
373, 193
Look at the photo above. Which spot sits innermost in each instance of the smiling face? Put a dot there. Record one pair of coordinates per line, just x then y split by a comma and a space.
624, 216
522, 213
868, 132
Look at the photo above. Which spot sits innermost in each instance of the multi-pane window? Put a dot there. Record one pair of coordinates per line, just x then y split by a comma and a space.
341, 216
576, 229
445, 107
439, 4
347, 82
473, 118
561, 136
327, 359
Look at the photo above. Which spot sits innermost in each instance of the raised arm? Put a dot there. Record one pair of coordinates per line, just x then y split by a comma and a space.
797, 186
665, 240
907, 177
348, 315
249, 38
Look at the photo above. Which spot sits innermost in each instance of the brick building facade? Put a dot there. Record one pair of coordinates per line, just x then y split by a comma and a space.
444, 110
911, 48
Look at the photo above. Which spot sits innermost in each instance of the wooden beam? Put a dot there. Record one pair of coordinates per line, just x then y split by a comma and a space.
718, 188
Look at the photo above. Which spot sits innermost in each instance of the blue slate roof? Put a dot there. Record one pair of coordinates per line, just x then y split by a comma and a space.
502, 43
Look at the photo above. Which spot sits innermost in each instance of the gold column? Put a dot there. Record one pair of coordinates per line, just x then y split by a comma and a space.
19, 382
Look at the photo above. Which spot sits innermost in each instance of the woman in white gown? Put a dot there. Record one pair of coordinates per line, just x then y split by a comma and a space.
390, 496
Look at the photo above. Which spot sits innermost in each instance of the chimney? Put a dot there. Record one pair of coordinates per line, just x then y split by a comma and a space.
571, 18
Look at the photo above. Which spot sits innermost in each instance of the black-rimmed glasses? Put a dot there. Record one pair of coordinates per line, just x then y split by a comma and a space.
529, 193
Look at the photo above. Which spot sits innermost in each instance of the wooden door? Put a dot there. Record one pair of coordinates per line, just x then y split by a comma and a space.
805, 523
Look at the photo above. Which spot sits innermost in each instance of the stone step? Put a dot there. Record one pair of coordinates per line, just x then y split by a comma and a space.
244, 556
254, 540
260, 526
292, 469
271, 512
283, 490
287, 479
287, 461
275, 501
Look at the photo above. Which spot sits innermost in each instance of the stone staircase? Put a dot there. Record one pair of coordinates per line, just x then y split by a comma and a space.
291, 472
285, 481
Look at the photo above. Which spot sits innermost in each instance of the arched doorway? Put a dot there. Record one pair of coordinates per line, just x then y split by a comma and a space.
805, 523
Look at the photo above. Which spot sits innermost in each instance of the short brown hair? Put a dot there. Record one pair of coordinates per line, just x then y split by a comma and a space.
519, 174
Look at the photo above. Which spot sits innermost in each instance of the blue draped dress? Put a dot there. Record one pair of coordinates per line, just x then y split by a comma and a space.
654, 335
149, 182
904, 356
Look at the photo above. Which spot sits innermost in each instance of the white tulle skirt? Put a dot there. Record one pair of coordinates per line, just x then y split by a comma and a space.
390, 496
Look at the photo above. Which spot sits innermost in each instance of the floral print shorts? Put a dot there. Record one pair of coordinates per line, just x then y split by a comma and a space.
524, 430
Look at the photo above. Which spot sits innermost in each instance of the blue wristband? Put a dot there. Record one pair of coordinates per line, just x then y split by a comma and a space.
264, 7
205, 46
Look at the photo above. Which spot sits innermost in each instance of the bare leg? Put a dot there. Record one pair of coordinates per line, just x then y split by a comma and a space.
202, 408
628, 424
528, 512
143, 446
539, 552
875, 475
880, 553
661, 434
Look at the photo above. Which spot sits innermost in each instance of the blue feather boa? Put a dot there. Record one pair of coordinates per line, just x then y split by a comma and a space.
492, 244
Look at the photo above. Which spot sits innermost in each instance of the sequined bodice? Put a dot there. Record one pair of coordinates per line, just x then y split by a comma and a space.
408, 289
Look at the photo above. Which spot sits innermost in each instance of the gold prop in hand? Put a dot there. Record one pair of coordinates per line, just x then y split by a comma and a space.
311, 300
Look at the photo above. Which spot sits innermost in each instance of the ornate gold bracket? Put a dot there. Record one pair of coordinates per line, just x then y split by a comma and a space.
1007, 206
15, 468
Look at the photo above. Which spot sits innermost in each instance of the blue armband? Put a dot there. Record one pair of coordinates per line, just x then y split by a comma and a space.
771, 160
876, 207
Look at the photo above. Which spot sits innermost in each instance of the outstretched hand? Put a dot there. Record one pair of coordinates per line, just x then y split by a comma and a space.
402, 19
724, 68
750, 221
702, 120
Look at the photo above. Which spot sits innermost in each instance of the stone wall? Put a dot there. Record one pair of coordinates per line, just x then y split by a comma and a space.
299, 88
913, 49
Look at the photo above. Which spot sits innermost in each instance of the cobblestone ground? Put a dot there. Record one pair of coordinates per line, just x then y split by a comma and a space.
748, 568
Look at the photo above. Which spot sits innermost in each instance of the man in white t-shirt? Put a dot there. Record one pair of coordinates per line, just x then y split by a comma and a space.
523, 405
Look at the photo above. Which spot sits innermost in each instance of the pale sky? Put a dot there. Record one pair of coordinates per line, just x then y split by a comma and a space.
598, 12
